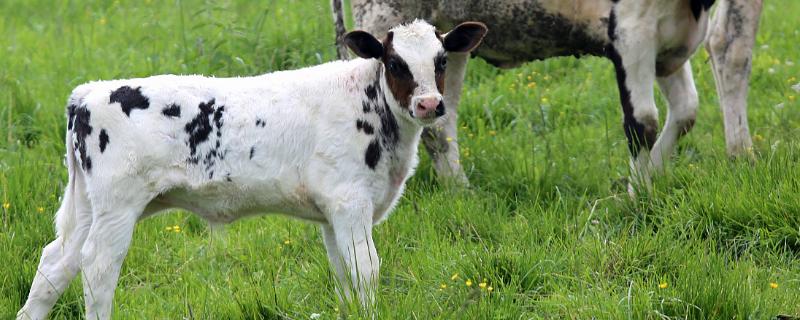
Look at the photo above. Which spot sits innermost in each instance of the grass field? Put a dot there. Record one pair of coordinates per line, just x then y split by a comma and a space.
546, 231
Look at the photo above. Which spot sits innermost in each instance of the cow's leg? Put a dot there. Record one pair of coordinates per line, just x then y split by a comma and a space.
633, 52
733, 33
113, 218
351, 223
681, 94
441, 140
60, 260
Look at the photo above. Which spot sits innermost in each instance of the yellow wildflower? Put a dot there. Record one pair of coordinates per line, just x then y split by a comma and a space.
489, 289
545, 100
492, 133
40, 209
663, 285
168, 229
449, 139
176, 228
454, 277
6, 205
791, 98
287, 242
468, 282
483, 285
773, 285
758, 138
531, 85
443, 286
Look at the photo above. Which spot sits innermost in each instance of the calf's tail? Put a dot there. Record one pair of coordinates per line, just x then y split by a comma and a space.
66, 216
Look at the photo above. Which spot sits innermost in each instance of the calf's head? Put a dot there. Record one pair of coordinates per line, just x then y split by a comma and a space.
414, 59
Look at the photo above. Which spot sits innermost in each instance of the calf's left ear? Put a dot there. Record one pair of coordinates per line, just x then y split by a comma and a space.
363, 44
465, 37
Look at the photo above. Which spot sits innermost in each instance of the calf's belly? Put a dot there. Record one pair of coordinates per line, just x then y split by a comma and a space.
225, 203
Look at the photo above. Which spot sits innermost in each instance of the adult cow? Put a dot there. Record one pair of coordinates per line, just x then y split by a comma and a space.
647, 40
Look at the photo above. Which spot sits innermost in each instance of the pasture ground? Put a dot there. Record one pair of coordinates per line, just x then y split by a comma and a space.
546, 224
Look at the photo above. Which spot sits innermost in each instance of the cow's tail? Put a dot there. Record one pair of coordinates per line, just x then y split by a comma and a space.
338, 20
75, 192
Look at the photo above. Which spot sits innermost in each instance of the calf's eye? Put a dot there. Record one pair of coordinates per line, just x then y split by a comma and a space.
392, 65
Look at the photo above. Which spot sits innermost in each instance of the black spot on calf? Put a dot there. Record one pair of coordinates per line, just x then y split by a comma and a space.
218, 121
173, 110
365, 126
372, 92
252, 152
70, 115
129, 99
208, 119
260, 123
374, 99
81, 130
373, 154
199, 128
103, 140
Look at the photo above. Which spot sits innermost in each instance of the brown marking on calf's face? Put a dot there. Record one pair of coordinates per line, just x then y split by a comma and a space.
439, 67
398, 77
440, 64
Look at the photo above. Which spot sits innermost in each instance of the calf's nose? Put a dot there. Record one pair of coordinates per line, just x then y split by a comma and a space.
430, 107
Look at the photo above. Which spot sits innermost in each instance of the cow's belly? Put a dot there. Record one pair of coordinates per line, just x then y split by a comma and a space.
526, 30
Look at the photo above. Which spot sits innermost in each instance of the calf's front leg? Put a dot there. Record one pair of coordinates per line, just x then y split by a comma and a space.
351, 250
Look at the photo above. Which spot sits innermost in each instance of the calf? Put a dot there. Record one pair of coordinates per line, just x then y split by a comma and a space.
647, 40
333, 144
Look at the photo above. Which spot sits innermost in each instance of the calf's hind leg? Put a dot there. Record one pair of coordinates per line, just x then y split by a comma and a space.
61, 257
107, 245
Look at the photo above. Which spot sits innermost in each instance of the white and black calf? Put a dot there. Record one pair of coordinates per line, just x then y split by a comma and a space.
333, 144
649, 41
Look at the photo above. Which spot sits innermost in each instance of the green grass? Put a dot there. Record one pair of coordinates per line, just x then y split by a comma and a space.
546, 223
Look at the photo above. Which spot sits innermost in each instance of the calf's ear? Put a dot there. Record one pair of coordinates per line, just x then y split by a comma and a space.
465, 37
363, 44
